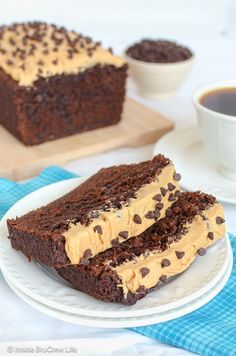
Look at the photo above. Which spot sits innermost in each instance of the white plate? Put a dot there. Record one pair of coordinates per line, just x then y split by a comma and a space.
45, 286
198, 172
131, 321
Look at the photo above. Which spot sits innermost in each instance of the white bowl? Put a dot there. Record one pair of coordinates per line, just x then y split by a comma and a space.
157, 80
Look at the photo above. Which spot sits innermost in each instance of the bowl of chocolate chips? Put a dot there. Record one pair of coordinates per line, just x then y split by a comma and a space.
158, 67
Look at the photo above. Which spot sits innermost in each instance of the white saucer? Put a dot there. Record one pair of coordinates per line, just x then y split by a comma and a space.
46, 287
130, 321
185, 149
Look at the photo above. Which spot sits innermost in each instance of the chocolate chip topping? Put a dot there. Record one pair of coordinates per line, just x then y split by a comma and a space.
177, 193
158, 51
159, 206
163, 191
201, 251
157, 197
87, 253
150, 215
157, 214
97, 229
177, 177
84, 261
144, 271
163, 278
165, 262
137, 219
219, 220
171, 197
210, 235
123, 234
141, 290
115, 242
179, 254
171, 187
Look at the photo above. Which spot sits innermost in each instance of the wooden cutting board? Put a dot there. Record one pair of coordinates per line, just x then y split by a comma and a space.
139, 126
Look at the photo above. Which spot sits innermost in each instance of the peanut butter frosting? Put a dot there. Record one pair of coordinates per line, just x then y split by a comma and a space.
148, 270
29, 51
117, 225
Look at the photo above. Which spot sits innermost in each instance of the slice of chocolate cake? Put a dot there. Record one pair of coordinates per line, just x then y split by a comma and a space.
112, 206
126, 273
55, 83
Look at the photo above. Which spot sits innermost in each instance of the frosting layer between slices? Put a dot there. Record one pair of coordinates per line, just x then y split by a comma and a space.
148, 269
117, 225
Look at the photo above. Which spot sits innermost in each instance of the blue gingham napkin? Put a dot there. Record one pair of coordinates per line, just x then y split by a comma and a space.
210, 330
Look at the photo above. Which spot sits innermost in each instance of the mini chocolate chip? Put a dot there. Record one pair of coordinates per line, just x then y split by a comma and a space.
150, 215
141, 290
9, 62
201, 251
171, 197
137, 219
55, 62
115, 242
210, 235
84, 261
144, 271
177, 176
219, 220
159, 206
123, 234
171, 187
157, 197
157, 214
168, 212
177, 193
165, 263
163, 191
87, 253
97, 229
179, 254
163, 278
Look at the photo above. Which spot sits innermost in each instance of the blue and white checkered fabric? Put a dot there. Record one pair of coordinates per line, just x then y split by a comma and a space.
210, 330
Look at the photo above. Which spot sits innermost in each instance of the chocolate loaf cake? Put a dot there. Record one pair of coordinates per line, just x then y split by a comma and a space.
112, 206
127, 272
55, 83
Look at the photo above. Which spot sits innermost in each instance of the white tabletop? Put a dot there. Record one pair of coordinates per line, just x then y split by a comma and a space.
21, 323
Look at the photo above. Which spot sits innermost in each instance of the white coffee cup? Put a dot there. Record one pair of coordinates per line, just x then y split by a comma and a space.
218, 131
